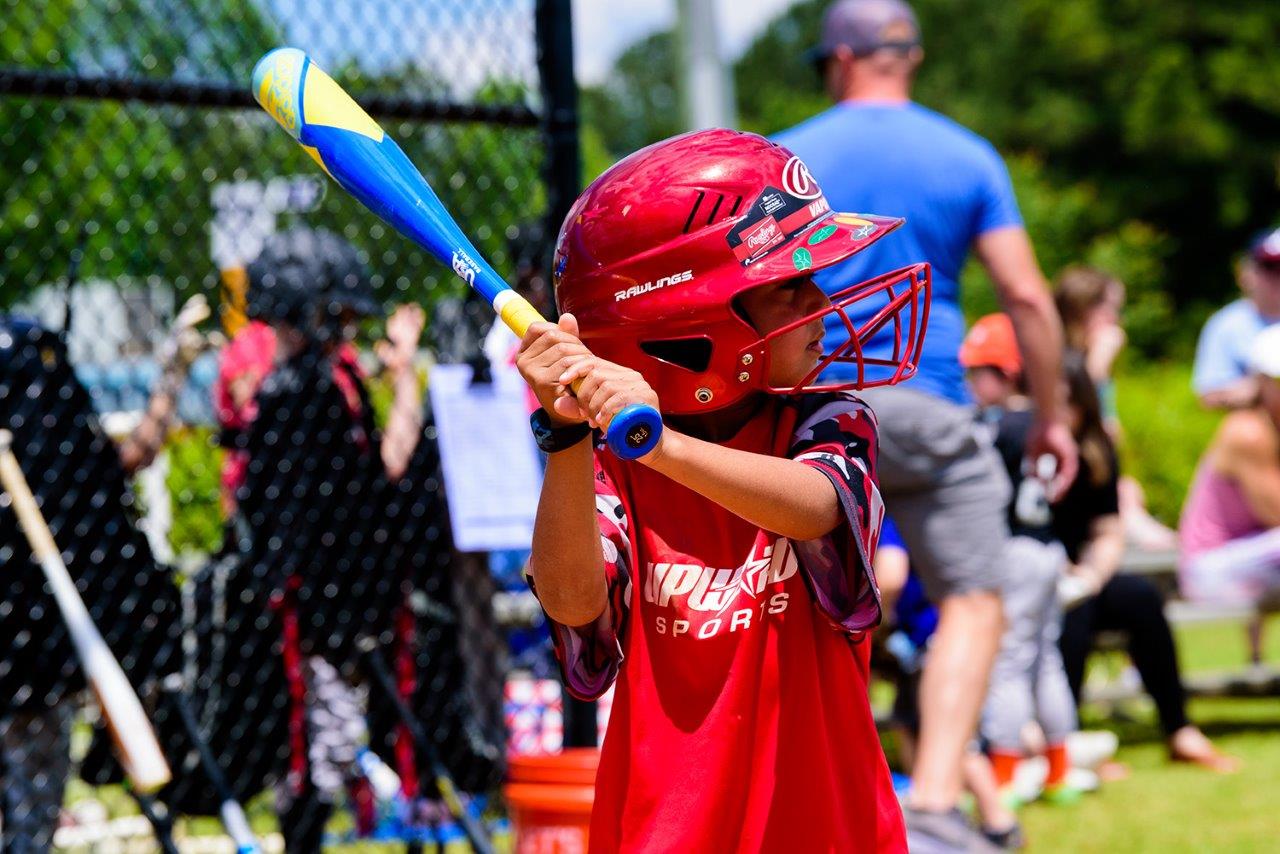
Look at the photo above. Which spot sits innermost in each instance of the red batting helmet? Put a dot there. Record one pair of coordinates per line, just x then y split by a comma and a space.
652, 256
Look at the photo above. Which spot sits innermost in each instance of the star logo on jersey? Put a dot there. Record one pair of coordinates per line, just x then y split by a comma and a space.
709, 589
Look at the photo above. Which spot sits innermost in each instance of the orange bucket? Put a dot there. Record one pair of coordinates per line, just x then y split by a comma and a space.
550, 799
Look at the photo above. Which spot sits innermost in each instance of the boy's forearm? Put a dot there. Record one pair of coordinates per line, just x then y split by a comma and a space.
780, 495
567, 562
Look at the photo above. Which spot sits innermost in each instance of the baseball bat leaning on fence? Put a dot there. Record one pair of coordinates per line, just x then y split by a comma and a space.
230, 811
357, 153
135, 740
382, 677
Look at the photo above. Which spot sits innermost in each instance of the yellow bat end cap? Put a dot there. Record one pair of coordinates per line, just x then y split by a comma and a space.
326, 103
297, 93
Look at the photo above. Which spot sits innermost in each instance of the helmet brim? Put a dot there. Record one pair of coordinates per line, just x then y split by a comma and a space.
824, 243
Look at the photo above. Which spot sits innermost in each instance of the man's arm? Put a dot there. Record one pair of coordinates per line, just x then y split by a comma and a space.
1011, 263
144, 444
1235, 395
177, 353
1250, 454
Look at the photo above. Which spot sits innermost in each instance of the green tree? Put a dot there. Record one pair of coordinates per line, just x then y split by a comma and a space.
638, 104
1143, 137
135, 177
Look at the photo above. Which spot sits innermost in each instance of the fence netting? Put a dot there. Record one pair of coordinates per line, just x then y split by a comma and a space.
212, 365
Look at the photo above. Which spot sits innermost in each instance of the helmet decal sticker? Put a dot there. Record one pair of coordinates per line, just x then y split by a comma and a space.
772, 219
821, 235
797, 181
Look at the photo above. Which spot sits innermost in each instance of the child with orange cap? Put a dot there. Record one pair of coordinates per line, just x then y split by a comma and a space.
1028, 682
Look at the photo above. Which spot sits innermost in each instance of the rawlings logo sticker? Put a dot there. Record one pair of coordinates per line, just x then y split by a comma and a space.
764, 236
797, 181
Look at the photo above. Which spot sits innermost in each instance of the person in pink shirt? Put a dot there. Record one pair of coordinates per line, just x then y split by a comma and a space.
1230, 528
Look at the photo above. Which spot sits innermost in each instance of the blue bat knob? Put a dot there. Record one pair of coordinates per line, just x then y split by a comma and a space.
634, 431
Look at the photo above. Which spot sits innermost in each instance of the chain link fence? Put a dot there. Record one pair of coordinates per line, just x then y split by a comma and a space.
249, 496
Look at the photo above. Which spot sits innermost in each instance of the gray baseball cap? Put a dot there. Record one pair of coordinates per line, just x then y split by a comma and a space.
865, 26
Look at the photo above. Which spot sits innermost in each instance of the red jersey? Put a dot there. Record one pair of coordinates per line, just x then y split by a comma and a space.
741, 720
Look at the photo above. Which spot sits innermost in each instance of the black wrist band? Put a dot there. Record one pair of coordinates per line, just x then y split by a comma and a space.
551, 438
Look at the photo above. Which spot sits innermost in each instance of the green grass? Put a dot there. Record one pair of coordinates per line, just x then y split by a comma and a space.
1166, 807
1161, 807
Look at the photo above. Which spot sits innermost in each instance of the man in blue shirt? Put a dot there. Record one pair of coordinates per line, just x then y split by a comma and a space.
1222, 379
876, 150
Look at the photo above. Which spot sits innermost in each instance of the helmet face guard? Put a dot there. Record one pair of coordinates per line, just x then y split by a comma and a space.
903, 291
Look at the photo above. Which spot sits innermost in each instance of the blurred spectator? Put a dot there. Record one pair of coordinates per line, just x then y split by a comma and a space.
1231, 521
993, 366
176, 356
1028, 683
313, 470
84, 494
944, 488
1098, 598
1089, 301
251, 355
1222, 378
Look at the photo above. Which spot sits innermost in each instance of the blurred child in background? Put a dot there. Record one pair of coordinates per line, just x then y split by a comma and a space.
1090, 302
1028, 682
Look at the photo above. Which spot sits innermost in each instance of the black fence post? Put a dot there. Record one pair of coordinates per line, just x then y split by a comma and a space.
564, 179
563, 168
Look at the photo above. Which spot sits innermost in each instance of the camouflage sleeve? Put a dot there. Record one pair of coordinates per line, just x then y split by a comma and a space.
590, 655
837, 436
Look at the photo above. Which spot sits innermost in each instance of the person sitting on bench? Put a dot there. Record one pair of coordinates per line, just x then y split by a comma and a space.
1230, 528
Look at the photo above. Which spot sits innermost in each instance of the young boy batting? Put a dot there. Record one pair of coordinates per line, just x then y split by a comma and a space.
725, 578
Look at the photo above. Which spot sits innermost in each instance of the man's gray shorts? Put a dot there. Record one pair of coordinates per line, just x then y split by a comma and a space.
945, 488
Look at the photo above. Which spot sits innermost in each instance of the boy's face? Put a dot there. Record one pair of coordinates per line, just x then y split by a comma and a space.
794, 354
990, 386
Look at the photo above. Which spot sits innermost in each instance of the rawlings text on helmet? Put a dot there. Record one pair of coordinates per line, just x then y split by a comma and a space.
637, 290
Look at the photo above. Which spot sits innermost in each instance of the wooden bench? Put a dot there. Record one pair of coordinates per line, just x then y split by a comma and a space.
1248, 680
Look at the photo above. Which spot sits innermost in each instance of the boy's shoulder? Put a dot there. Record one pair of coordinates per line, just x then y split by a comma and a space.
829, 414
820, 405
